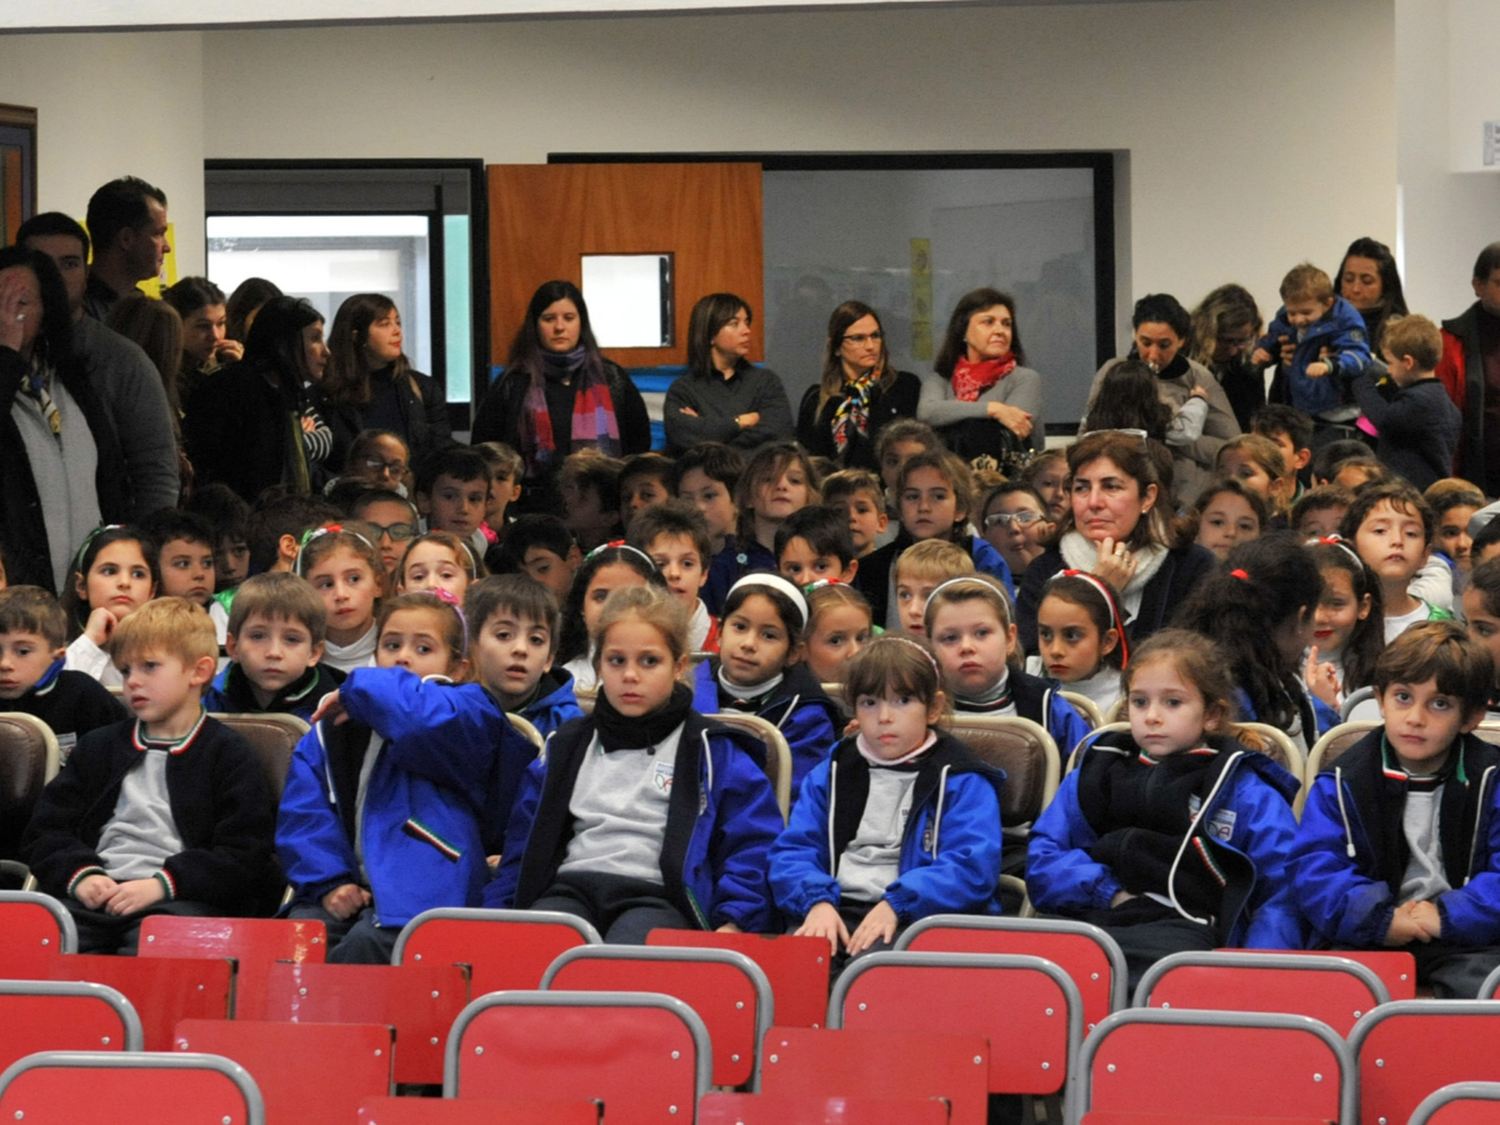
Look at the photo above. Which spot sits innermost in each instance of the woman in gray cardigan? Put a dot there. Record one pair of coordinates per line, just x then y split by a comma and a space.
980, 396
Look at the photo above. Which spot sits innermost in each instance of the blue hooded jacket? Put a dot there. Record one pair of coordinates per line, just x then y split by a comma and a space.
1342, 331
950, 849
557, 707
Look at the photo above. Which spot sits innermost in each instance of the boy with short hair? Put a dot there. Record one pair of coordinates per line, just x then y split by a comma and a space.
541, 547
1419, 425
1390, 526
590, 486
676, 538
1292, 431
167, 813
275, 643
277, 526
921, 569
645, 481
813, 544
707, 476
33, 638
229, 516
453, 490
860, 491
513, 627
1320, 510
1327, 459
1396, 844
1332, 345
185, 559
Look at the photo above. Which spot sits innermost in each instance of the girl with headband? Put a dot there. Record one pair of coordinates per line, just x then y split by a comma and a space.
1081, 638
1348, 625
902, 822
606, 568
347, 571
759, 669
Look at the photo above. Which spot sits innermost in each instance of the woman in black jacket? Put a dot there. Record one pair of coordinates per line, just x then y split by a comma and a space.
860, 391
61, 471
558, 395
371, 385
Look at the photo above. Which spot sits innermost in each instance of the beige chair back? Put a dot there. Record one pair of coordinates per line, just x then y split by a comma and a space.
526, 728
586, 699
1328, 748
1087, 709
778, 753
273, 737
29, 758
1027, 754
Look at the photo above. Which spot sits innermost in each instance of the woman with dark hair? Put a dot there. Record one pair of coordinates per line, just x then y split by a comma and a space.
371, 385
246, 300
860, 391
1369, 281
980, 396
59, 462
1162, 329
1118, 529
558, 395
1226, 325
248, 426
724, 397
206, 347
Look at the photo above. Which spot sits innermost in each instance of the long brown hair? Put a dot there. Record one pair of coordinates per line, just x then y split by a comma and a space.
347, 378
833, 362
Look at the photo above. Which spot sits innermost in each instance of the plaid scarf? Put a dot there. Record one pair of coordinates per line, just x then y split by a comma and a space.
970, 380
854, 410
37, 386
594, 423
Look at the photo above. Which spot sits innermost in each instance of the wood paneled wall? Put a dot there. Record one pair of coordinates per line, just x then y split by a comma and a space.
544, 217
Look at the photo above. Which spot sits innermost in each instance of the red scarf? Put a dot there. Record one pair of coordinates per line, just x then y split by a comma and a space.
970, 380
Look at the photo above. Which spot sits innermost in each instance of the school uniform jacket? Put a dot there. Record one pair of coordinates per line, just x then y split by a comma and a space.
950, 848
232, 692
438, 795
220, 802
721, 820
1244, 835
1036, 698
798, 708
1351, 853
558, 706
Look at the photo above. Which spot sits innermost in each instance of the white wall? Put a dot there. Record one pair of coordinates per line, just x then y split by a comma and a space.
115, 105
1261, 132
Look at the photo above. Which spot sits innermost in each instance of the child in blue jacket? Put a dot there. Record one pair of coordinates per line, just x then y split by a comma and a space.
517, 617
1173, 837
1399, 844
390, 813
1318, 322
901, 823
644, 814
759, 669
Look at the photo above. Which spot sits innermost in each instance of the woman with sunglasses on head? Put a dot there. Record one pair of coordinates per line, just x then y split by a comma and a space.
1225, 326
860, 393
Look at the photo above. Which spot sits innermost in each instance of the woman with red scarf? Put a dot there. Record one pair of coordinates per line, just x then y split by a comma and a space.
980, 396
558, 395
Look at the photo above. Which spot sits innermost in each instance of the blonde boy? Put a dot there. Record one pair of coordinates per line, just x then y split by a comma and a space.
275, 642
921, 569
166, 813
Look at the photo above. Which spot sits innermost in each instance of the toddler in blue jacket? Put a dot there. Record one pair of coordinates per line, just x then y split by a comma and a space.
901, 823
1399, 845
1332, 346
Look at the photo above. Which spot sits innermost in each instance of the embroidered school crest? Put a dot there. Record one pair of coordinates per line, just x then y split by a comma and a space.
661, 778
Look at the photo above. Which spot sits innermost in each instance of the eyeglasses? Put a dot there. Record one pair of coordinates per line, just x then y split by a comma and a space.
873, 337
1005, 519
399, 532
377, 465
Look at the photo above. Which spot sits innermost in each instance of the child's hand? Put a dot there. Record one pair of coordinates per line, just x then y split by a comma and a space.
101, 624
95, 891
309, 426
330, 707
1404, 927
851, 728
1322, 679
1198, 392
1115, 564
1260, 357
1425, 914
878, 925
729, 928
1318, 369
135, 895
688, 410
823, 921
1288, 348
346, 901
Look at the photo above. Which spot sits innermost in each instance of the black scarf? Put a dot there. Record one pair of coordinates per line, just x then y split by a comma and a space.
619, 732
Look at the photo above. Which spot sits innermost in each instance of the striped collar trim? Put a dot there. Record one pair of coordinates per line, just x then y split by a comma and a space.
50, 677
1393, 769
172, 746
1201, 752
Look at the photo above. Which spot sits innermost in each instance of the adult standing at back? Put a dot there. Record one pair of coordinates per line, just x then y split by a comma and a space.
123, 377
206, 347
127, 220
559, 395
723, 396
980, 395
1226, 325
1368, 280
859, 394
369, 383
1470, 369
1161, 328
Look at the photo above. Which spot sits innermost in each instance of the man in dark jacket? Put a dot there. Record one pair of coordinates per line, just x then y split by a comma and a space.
1470, 370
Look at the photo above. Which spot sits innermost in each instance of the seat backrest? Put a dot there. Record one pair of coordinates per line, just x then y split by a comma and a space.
51, 1088
1024, 751
525, 727
800, 1062
778, 753
1262, 1065
1331, 989
1276, 745
1396, 969
308, 1073
1026, 1007
645, 1056
29, 758
1087, 710
1460, 1103
797, 968
163, 990
45, 1015
255, 944
812, 1109
34, 929
1086, 953
1409, 1048
1326, 750
419, 1001
273, 737
586, 698
729, 992
503, 949
475, 1111
1489, 732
